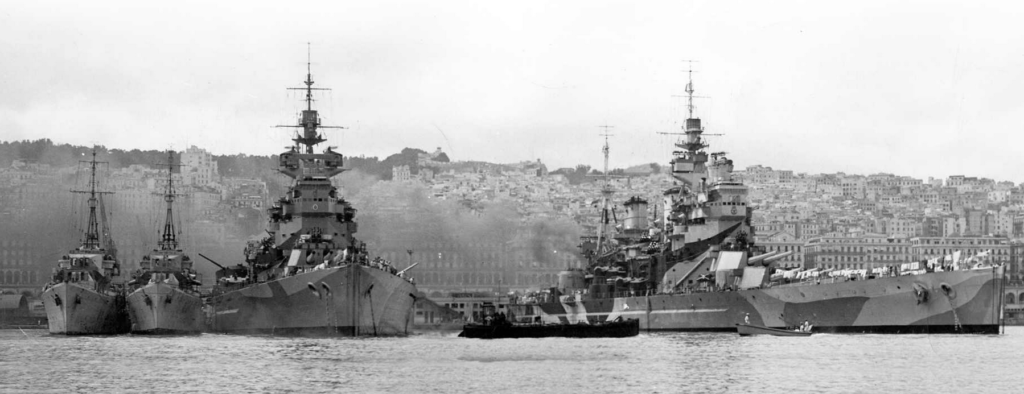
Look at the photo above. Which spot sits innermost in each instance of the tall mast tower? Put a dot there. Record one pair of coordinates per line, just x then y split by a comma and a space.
92, 231
169, 238
606, 192
309, 121
693, 142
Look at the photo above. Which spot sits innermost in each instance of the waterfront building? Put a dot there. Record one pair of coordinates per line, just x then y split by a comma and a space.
998, 248
783, 241
864, 251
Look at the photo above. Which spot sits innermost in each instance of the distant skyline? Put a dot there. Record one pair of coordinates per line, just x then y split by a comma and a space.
911, 88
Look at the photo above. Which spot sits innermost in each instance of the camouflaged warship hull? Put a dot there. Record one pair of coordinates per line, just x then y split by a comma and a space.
75, 310
941, 302
160, 308
360, 301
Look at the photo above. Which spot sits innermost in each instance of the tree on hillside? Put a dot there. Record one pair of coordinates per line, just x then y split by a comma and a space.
408, 156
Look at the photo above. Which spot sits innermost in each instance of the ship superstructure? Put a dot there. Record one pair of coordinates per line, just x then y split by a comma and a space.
697, 269
310, 275
164, 293
82, 298
709, 202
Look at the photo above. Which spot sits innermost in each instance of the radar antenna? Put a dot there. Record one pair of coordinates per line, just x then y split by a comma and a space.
689, 90
309, 121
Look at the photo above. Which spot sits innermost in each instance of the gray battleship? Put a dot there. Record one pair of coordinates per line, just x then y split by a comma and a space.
81, 298
699, 270
164, 294
311, 276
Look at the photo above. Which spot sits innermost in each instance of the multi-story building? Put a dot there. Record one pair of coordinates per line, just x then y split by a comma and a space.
856, 252
400, 173
19, 264
854, 188
924, 248
782, 242
198, 168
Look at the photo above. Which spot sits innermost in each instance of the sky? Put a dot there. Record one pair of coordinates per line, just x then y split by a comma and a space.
920, 88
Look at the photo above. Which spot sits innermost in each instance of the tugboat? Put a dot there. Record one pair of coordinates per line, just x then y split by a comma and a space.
164, 293
310, 275
81, 298
700, 270
497, 326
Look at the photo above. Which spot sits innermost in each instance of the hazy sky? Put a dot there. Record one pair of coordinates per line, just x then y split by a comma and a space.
917, 88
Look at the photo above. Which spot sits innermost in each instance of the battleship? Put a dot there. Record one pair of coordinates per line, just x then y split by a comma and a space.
697, 268
82, 298
163, 295
310, 275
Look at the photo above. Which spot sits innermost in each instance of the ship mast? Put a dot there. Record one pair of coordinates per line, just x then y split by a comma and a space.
693, 128
692, 157
309, 121
108, 240
92, 232
606, 192
169, 239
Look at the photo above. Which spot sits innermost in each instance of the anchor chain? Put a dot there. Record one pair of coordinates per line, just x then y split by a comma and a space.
952, 308
956, 319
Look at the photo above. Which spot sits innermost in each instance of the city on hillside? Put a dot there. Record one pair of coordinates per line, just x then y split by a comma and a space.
484, 228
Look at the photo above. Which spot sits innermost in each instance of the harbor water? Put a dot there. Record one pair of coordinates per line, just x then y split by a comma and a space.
34, 361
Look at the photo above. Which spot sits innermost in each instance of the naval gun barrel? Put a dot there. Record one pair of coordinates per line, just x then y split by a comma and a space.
211, 260
407, 268
760, 257
777, 257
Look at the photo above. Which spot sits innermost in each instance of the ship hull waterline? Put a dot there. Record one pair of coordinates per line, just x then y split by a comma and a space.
351, 300
163, 309
942, 302
76, 310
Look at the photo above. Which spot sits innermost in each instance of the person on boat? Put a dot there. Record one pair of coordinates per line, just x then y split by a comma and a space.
746, 319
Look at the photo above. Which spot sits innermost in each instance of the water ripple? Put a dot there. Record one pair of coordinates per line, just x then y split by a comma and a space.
34, 361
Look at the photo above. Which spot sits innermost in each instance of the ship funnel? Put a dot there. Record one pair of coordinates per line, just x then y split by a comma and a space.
636, 214
570, 280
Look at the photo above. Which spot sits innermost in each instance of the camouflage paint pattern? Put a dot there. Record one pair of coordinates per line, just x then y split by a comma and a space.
956, 301
362, 301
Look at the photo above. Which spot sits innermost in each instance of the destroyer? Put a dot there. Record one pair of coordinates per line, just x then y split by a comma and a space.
310, 276
82, 299
164, 296
700, 271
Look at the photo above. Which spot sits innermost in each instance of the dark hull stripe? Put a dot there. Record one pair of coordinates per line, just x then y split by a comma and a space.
934, 329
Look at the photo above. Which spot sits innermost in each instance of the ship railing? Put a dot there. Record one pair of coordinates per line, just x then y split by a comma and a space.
621, 294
